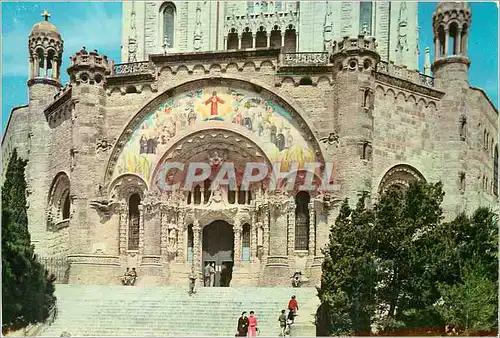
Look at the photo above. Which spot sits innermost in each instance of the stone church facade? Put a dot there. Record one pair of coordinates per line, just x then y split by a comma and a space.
98, 148
152, 27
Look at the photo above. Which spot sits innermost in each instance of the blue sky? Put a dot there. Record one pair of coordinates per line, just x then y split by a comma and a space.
97, 25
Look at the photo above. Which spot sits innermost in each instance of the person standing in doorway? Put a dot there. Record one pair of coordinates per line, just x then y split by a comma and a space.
242, 329
206, 274
252, 325
212, 274
192, 281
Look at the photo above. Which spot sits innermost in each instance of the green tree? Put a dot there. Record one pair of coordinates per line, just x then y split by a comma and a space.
470, 305
469, 282
27, 290
347, 289
404, 218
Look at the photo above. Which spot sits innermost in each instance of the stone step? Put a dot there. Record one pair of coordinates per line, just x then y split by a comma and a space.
104, 310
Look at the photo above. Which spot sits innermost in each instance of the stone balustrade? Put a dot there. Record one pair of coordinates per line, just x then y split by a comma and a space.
253, 21
354, 44
131, 68
93, 59
404, 73
305, 59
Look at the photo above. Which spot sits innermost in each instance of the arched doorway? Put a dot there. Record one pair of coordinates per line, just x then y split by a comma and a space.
218, 249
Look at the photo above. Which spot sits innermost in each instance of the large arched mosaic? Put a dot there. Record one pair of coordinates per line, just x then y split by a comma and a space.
260, 116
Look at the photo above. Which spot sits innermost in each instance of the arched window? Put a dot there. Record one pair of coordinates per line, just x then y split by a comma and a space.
168, 12
232, 40
245, 242
261, 38
66, 207
463, 128
197, 195
241, 196
495, 171
207, 191
275, 39
453, 40
190, 243
290, 40
302, 220
365, 15
247, 39
442, 40
133, 221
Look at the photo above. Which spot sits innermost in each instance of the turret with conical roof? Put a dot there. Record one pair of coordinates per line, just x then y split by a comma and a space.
45, 53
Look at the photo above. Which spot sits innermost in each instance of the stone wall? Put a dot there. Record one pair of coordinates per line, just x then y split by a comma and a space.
404, 122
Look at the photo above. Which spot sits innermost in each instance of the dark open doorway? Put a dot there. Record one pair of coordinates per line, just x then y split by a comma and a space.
218, 248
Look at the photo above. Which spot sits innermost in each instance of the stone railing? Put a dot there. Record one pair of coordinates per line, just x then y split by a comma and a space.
305, 59
131, 68
402, 72
255, 20
89, 59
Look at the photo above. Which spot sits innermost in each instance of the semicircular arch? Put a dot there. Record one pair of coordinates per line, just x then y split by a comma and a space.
248, 97
399, 175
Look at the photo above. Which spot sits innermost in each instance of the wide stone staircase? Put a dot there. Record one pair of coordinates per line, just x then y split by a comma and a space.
108, 310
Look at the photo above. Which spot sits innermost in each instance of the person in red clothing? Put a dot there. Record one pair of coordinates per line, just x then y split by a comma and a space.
293, 306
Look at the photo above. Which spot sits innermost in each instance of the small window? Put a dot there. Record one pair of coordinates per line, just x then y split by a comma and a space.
463, 128
66, 207
134, 221
302, 220
462, 182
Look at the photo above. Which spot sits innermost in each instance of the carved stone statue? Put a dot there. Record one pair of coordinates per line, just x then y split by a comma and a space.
197, 39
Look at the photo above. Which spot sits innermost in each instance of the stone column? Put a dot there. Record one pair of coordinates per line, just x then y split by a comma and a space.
54, 68
458, 42
437, 49
225, 43
446, 42
45, 70
253, 239
291, 228
268, 40
312, 230
265, 242
239, 41
141, 229
36, 66
464, 49
123, 212
253, 40
237, 241
164, 233
282, 39
196, 245
180, 236
32, 67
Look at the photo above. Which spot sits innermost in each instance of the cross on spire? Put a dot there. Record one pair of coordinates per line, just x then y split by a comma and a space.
46, 14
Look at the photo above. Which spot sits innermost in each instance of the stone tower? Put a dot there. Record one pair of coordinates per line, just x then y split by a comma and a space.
87, 73
451, 23
45, 47
354, 61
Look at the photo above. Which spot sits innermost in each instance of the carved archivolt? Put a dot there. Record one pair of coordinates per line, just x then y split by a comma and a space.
126, 185
401, 176
296, 119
